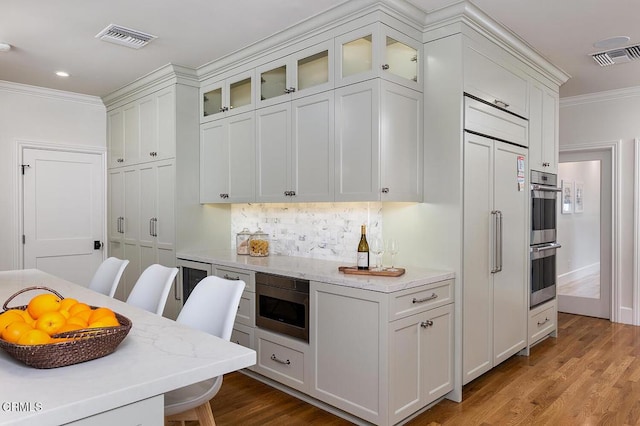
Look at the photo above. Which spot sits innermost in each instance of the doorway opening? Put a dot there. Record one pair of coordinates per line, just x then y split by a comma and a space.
585, 231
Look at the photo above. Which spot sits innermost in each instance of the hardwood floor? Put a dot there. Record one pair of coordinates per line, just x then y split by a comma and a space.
589, 375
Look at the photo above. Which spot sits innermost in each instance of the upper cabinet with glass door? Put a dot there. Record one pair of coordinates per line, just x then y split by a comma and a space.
303, 73
378, 51
226, 97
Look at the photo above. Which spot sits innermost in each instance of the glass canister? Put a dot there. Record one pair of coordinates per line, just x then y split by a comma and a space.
242, 241
259, 244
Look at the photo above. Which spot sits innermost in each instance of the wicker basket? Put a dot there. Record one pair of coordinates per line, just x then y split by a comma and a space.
86, 344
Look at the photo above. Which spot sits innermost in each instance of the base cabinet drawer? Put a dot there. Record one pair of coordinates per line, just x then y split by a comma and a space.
229, 273
542, 321
247, 309
412, 301
281, 359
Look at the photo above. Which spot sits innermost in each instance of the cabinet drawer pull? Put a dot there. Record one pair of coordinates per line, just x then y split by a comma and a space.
385, 66
224, 196
385, 190
276, 359
425, 324
546, 320
229, 277
425, 299
120, 160
501, 104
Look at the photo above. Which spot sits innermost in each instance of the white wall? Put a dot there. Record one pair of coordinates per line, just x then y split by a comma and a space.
33, 114
579, 232
609, 117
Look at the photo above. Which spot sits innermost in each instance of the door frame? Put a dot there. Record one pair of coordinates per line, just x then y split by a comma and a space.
18, 186
636, 234
618, 313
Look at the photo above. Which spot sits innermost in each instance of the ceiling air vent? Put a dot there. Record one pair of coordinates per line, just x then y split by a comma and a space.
125, 36
617, 56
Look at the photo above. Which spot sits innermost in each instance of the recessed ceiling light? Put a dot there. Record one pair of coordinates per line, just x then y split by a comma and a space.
611, 42
62, 74
4, 47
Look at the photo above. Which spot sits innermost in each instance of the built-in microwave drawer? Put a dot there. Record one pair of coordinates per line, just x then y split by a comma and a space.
237, 274
419, 299
495, 123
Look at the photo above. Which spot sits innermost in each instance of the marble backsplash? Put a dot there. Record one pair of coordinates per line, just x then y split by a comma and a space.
329, 231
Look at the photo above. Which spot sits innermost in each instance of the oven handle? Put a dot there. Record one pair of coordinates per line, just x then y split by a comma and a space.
547, 247
536, 187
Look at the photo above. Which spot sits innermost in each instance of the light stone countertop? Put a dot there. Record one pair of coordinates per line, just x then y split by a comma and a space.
318, 270
158, 355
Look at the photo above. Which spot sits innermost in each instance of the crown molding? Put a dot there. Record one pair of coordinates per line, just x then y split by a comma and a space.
471, 15
164, 76
25, 89
607, 95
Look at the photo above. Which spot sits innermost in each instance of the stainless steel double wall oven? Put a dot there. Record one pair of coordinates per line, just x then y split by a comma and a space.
544, 199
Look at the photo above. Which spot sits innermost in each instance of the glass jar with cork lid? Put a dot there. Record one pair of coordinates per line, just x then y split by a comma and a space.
242, 241
259, 244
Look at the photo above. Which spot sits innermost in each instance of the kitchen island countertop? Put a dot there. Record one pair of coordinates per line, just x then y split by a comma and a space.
318, 270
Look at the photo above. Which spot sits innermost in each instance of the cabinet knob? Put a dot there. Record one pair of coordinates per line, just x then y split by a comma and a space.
385, 66
546, 164
427, 323
224, 196
153, 154
224, 109
385, 190
290, 90
120, 160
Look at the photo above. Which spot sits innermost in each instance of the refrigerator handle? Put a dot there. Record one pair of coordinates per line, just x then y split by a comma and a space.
497, 241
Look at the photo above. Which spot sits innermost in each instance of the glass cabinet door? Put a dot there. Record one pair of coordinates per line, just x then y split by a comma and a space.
273, 82
240, 93
212, 102
313, 70
357, 56
401, 59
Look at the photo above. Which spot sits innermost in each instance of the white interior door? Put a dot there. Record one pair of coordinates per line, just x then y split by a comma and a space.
63, 210
585, 232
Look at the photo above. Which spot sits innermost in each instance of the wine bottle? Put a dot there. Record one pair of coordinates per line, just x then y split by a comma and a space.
363, 249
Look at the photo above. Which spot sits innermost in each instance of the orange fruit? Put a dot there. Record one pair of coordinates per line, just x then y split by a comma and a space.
77, 321
50, 322
14, 330
27, 318
78, 307
71, 327
8, 317
106, 321
34, 337
42, 303
67, 303
98, 313
84, 315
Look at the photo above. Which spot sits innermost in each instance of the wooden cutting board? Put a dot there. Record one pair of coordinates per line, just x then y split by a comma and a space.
355, 271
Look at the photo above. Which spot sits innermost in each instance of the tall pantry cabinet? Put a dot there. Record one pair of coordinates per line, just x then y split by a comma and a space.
148, 125
468, 55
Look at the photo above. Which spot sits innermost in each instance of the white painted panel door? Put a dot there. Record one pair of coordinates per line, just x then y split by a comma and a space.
313, 148
241, 160
401, 144
214, 162
166, 124
63, 213
477, 321
357, 111
510, 307
273, 141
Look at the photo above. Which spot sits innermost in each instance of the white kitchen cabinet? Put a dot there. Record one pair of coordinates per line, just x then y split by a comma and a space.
227, 160
489, 75
283, 359
378, 50
142, 218
420, 360
300, 74
543, 128
543, 321
495, 255
232, 95
379, 369
142, 130
295, 150
378, 142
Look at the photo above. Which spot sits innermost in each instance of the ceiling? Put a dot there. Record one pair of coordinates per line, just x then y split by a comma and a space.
52, 35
